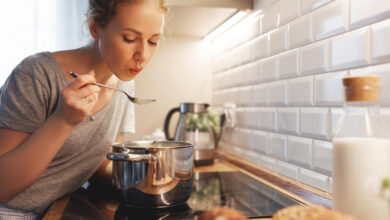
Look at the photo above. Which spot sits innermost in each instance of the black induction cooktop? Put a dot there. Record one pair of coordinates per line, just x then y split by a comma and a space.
210, 189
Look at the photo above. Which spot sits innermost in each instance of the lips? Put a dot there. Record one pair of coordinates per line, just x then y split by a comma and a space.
135, 71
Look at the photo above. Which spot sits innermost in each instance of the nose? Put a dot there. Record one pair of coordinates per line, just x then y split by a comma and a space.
142, 53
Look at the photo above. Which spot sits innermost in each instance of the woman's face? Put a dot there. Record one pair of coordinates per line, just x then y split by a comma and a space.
130, 38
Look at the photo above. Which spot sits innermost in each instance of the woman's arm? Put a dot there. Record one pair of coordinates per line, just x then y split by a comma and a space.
29, 157
24, 157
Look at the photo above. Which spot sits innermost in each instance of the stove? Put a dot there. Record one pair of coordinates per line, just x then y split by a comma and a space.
210, 189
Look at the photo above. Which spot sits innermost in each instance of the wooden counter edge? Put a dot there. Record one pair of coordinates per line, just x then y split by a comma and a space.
299, 191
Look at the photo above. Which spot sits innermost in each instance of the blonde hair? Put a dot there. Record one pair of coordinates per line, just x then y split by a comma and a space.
101, 11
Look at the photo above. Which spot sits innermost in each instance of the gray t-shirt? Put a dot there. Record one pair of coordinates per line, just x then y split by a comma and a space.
28, 98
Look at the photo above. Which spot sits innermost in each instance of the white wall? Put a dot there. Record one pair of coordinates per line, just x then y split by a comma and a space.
179, 72
283, 68
31, 26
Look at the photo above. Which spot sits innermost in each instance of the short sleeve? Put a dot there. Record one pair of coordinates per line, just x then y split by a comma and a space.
128, 118
23, 102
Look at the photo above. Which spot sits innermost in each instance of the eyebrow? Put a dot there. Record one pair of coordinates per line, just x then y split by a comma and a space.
139, 33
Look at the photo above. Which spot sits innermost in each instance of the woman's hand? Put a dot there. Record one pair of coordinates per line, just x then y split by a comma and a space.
77, 99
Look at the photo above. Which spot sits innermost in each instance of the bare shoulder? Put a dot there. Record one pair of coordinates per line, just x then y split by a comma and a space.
9, 139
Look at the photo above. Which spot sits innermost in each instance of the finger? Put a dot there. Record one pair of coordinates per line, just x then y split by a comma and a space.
81, 81
85, 104
86, 90
94, 97
90, 99
78, 95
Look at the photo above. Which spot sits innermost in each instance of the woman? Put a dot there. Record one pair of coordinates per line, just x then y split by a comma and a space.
48, 145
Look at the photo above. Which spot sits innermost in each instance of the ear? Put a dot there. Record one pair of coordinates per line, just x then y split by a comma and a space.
93, 28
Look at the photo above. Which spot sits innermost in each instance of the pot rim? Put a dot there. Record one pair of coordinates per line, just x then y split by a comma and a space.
158, 145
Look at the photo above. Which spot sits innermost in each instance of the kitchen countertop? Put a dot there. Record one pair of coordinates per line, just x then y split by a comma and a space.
226, 163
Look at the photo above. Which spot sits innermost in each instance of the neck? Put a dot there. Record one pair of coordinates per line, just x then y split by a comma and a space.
94, 61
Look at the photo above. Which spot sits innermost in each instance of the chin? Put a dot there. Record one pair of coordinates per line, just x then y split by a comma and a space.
127, 77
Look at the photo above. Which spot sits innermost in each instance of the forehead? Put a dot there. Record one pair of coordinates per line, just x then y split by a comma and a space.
145, 17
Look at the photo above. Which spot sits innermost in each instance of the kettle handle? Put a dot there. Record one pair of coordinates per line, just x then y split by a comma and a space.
166, 123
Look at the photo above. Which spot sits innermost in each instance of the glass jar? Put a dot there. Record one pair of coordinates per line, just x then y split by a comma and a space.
361, 151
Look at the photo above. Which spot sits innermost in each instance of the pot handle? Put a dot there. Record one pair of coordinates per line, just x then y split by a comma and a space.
131, 157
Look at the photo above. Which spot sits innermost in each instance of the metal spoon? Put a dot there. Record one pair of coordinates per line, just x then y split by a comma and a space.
132, 99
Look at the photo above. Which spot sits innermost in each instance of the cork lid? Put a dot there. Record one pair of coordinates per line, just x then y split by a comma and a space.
365, 80
365, 88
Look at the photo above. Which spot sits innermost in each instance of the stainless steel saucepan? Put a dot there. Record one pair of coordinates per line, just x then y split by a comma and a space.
153, 173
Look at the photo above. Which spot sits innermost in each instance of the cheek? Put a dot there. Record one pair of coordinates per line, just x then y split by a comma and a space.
105, 47
113, 49
109, 45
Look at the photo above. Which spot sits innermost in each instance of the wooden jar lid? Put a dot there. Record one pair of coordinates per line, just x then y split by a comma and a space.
362, 88
365, 80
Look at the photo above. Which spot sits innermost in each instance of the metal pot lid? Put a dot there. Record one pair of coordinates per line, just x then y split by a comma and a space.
158, 145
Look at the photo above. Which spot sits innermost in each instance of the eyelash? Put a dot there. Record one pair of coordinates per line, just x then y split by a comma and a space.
132, 41
152, 43
128, 40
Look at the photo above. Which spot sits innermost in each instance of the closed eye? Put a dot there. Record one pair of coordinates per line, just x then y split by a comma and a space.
152, 43
127, 40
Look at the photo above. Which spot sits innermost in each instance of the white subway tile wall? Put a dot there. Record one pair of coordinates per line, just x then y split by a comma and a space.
322, 156
335, 115
276, 146
268, 69
271, 17
268, 119
260, 95
299, 151
278, 40
282, 67
380, 46
258, 141
301, 91
314, 122
328, 86
301, 31
288, 120
288, 10
277, 93
288, 169
315, 58
289, 64
351, 49
331, 19
366, 12
309, 5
